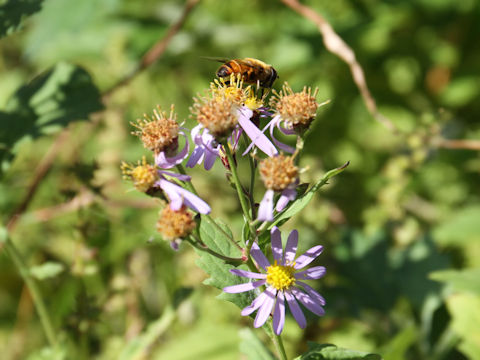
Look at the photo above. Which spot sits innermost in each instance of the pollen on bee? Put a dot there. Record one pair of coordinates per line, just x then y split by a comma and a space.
160, 132
299, 109
143, 174
277, 172
174, 225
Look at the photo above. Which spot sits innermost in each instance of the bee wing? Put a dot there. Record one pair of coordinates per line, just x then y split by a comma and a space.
213, 58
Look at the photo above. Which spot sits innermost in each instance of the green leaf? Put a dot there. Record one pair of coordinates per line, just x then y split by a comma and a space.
220, 276
49, 353
332, 352
465, 311
47, 270
462, 227
302, 201
50, 102
14, 12
252, 347
461, 280
396, 348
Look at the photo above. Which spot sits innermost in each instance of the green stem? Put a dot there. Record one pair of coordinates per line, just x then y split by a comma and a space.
34, 290
277, 342
252, 161
238, 185
191, 188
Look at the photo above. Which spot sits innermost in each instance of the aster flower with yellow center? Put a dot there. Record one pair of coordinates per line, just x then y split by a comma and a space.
160, 135
223, 114
146, 177
280, 174
283, 282
174, 225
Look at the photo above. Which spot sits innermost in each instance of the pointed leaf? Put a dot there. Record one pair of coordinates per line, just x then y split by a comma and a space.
332, 352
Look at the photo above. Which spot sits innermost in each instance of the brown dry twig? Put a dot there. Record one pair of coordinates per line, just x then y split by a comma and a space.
156, 51
152, 55
459, 144
337, 46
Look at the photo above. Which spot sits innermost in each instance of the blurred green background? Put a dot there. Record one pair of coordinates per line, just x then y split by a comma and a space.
400, 227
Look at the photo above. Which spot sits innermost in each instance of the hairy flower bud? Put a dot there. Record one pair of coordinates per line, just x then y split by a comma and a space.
159, 133
278, 172
174, 225
297, 110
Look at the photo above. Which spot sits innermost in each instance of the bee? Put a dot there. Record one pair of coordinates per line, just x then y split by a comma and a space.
253, 71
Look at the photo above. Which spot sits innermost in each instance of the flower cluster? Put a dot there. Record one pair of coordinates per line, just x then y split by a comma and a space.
227, 112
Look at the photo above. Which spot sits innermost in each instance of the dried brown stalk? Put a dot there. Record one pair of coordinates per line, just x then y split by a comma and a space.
337, 46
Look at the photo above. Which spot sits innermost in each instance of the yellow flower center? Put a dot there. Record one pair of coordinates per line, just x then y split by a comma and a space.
280, 277
143, 175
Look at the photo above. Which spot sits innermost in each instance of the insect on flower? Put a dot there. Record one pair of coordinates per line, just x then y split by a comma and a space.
283, 282
252, 70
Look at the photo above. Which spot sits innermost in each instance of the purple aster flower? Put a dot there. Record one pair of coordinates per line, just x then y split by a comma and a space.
178, 196
283, 282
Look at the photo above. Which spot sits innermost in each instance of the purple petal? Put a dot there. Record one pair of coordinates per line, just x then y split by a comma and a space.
233, 289
254, 305
209, 160
284, 129
265, 210
266, 308
259, 257
311, 291
196, 157
307, 301
308, 257
291, 248
174, 175
279, 314
248, 274
175, 244
287, 196
276, 240
176, 200
279, 144
254, 133
313, 273
247, 150
295, 309
178, 194
161, 160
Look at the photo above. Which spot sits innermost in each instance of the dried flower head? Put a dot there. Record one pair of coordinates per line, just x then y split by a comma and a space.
159, 133
297, 110
177, 224
278, 172
219, 115
143, 174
